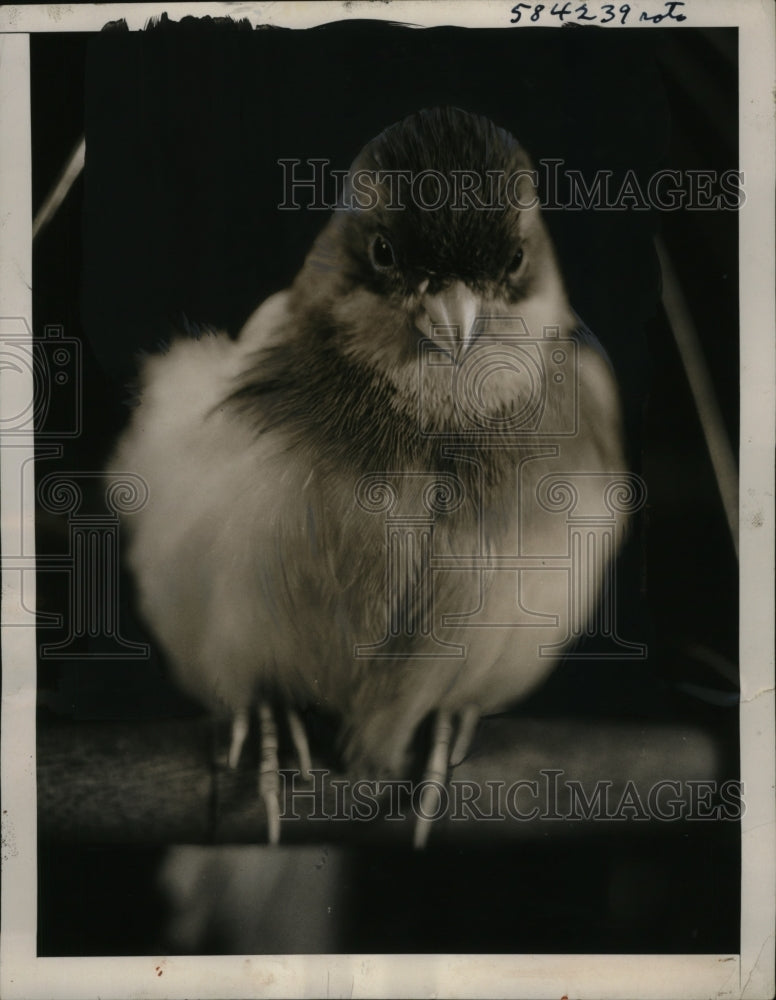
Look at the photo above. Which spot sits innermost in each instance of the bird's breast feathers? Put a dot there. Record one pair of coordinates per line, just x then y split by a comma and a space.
366, 500
253, 548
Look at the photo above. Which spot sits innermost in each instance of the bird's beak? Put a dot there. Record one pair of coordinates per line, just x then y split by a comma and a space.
448, 318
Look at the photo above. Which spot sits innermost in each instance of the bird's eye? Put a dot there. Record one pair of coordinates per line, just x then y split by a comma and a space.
381, 254
514, 264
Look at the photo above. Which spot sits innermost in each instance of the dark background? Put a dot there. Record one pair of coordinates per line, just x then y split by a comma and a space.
175, 222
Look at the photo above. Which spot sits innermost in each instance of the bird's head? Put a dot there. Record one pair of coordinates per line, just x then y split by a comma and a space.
438, 236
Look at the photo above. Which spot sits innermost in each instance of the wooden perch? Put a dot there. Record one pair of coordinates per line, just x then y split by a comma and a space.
157, 783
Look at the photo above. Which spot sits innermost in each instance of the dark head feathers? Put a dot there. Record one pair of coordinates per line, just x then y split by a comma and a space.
443, 139
332, 381
444, 173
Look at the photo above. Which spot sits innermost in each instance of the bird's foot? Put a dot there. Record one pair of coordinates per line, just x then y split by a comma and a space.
299, 739
467, 726
269, 766
240, 726
441, 758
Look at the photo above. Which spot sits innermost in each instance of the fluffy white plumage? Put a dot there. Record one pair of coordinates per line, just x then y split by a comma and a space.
257, 566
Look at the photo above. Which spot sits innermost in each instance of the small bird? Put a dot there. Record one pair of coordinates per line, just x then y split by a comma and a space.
340, 498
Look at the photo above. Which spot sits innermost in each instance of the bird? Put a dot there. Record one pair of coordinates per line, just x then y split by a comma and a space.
340, 497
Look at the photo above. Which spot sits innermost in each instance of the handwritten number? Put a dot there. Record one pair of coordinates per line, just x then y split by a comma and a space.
517, 10
583, 13
561, 12
607, 13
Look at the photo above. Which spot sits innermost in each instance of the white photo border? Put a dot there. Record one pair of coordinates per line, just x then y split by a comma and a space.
749, 974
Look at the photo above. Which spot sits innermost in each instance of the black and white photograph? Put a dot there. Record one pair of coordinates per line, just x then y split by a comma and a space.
387, 433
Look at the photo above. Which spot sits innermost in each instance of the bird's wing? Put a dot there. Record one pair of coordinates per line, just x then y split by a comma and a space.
202, 547
585, 336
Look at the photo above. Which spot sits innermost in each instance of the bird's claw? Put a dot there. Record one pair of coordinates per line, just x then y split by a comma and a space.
441, 758
467, 725
448, 749
435, 775
269, 767
240, 725
299, 739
